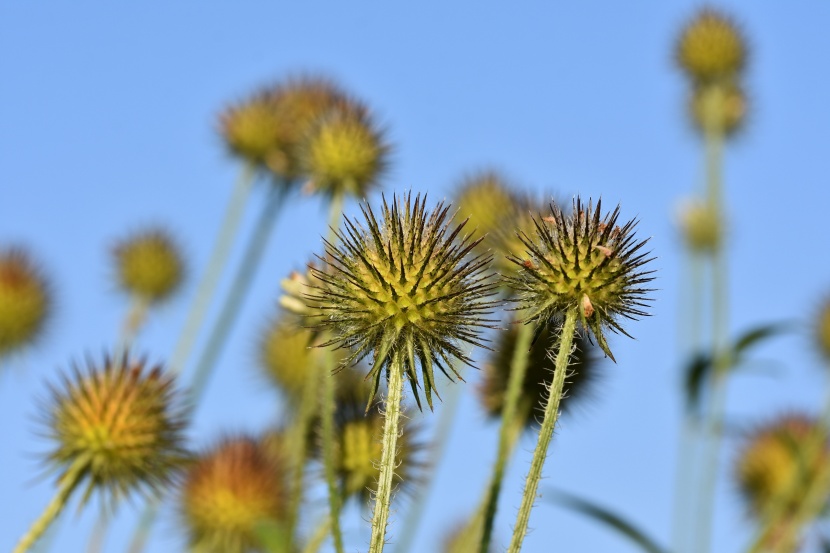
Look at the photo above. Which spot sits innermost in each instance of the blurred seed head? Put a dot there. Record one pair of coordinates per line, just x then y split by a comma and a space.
711, 48
582, 372
719, 108
149, 265
405, 290
294, 297
230, 492
25, 300
484, 199
701, 226
582, 261
123, 421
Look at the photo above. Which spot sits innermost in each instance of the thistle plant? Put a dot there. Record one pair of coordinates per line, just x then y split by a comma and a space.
577, 268
406, 290
25, 301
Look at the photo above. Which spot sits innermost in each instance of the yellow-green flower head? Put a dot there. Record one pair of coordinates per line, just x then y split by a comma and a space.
822, 330
149, 265
582, 371
506, 238
122, 422
485, 199
711, 48
405, 290
346, 152
582, 261
250, 129
774, 465
25, 300
230, 492
719, 108
701, 226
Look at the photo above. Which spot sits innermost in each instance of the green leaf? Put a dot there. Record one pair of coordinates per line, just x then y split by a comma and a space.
700, 366
609, 518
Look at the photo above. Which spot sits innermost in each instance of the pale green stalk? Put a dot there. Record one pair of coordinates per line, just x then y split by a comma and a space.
518, 369
318, 537
546, 431
392, 415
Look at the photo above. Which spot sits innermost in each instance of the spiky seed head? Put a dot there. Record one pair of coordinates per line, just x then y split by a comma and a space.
25, 300
230, 492
124, 421
719, 108
149, 265
406, 290
345, 152
711, 48
485, 199
775, 466
582, 372
822, 329
701, 226
582, 261
250, 129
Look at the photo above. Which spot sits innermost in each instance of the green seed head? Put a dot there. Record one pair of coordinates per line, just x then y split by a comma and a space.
701, 226
124, 423
229, 493
149, 265
406, 290
718, 108
582, 261
485, 199
711, 48
25, 301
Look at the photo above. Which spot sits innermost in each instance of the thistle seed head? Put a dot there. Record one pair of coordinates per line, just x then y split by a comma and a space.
719, 108
485, 199
229, 492
406, 290
149, 265
711, 48
25, 300
774, 466
124, 422
582, 261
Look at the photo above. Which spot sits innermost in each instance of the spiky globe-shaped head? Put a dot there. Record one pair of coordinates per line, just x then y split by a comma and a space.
149, 265
406, 290
25, 300
582, 261
718, 108
345, 152
485, 199
776, 465
250, 129
711, 48
124, 423
582, 371
230, 493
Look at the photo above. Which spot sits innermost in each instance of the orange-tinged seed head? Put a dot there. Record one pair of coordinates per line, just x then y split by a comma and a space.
25, 300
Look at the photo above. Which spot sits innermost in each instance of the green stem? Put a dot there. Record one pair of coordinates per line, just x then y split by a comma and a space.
318, 537
546, 431
392, 415
518, 369
68, 484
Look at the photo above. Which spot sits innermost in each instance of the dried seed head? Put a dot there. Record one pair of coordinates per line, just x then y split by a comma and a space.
719, 108
711, 48
822, 330
230, 492
346, 152
485, 199
149, 265
582, 261
25, 300
582, 371
701, 226
124, 422
405, 290
774, 465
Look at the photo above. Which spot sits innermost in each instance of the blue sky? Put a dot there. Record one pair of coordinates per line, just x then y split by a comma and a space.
108, 123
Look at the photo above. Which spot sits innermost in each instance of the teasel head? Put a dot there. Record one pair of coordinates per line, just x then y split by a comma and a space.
485, 199
701, 226
582, 261
711, 48
582, 373
719, 108
821, 329
405, 289
149, 265
25, 300
230, 493
346, 152
775, 463
506, 237
122, 422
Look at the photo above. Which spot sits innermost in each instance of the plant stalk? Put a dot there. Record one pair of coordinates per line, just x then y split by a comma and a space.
318, 537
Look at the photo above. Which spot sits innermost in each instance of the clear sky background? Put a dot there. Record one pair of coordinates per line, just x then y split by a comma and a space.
108, 123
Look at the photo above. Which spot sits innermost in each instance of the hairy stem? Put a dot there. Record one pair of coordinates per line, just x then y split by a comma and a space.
546, 431
392, 416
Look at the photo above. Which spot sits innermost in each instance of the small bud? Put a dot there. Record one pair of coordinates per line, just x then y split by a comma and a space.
711, 48
718, 108
701, 226
149, 265
25, 301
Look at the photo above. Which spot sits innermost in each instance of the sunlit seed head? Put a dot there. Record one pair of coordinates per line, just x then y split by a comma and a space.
711, 48
149, 265
229, 493
406, 290
582, 261
506, 238
822, 330
345, 152
25, 300
719, 108
485, 199
701, 226
774, 465
582, 372
250, 129
123, 421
